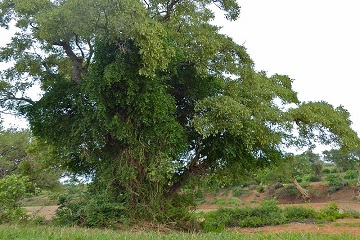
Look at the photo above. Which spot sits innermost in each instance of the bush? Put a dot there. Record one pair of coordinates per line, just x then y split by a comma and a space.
13, 188
95, 212
352, 174
313, 178
326, 171
15, 215
351, 213
299, 214
267, 214
335, 183
329, 214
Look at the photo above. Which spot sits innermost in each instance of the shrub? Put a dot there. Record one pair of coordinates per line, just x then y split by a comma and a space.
13, 188
299, 214
95, 212
335, 183
352, 174
313, 178
260, 188
326, 171
267, 214
351, 213
329, 213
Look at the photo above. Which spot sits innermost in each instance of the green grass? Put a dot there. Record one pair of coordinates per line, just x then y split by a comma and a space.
354, 224
233, 202
42, 232
40, 200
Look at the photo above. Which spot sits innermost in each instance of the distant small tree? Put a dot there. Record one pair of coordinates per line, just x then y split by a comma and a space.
292, 166
22, 154
13, 147
309, 163
342, 158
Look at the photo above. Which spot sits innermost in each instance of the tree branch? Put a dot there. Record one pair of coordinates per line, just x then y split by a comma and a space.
78, 62
78, 46
194, 168
91, 52
11, 96
170, 7
147, 4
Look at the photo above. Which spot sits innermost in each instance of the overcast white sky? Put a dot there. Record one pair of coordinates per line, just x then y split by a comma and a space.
315, 42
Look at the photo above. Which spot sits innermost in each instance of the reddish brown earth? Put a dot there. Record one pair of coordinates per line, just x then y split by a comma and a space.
344, 198
341, 226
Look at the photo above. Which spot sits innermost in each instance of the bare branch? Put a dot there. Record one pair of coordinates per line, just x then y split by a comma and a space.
10, 96
78, 45
91, 52
147, 4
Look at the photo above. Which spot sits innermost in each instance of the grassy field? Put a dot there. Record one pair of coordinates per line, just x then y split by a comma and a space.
49, 233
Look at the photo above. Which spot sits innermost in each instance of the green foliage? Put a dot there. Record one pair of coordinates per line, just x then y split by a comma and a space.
313, 178
138, 97
260, 188
13, 188
335, 183
13, 150
342, 158
268, 213
329, 214
22, 154
306, 163
95, 212
299, 214
351, 213
14, 216
351, 174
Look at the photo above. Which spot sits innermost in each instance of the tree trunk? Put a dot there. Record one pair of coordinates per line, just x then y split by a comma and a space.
304, 193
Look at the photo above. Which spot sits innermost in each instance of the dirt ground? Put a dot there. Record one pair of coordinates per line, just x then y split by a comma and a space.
341, 226
344, 198
47, 212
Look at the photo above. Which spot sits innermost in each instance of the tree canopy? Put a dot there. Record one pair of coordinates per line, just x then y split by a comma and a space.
143, 96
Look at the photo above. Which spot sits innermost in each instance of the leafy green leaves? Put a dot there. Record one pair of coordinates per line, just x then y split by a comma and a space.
143, 96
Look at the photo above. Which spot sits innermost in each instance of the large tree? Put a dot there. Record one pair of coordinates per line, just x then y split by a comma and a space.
144, 96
